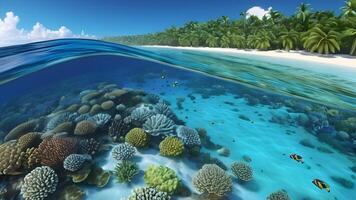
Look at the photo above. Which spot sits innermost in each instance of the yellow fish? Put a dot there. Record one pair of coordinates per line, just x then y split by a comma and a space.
321, 184
297, 157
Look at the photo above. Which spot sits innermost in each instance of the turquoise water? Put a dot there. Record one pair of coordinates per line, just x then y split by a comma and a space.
255, 110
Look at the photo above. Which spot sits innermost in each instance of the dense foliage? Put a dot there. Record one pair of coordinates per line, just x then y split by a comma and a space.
319, 31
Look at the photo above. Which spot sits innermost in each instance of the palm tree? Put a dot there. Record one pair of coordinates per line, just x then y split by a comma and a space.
349, 10
225, 42
212, 41
261, 40
324, 43
350, 35
303, 12
289, 39
238, 41
274, 15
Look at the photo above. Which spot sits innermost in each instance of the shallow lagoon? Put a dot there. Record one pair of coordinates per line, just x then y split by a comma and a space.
257, 127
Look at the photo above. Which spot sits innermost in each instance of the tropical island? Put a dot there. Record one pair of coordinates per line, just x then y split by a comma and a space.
322, 32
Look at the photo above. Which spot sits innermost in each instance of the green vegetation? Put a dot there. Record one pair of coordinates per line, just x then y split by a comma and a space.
319, 31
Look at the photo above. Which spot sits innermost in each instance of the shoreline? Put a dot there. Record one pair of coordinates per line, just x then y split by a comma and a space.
332, 59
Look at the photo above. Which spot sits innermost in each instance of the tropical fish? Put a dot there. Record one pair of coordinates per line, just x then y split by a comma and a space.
297, 157
321, 184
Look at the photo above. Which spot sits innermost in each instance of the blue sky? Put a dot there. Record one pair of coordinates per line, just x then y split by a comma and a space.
121, 17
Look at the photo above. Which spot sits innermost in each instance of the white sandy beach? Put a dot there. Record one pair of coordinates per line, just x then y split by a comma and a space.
338, 59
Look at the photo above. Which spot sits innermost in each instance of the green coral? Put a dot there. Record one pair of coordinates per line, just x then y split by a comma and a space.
242, 171
162, 178
137, 137
171, 146
125, 171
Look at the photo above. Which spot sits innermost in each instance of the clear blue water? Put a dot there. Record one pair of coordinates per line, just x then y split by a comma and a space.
260, 110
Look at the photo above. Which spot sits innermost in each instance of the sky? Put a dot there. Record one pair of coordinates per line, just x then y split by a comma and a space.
48, 19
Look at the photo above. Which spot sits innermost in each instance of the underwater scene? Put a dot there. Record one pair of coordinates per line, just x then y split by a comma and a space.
86, 119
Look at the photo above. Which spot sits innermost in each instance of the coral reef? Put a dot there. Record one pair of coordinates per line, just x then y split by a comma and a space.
21, 129
162, 108
59, 119
101, 119
74, 162
84, 109
123, 151
52, 151
189, 136
98, 177
95, 109
171, 146
242, 171
119, 128
223, 152
71, 192
89, 146
162, 178
141, 114
39, 183
85, 128
213, 181
279, 195
137, 137
125, 171
159, 125
148, 193
107, 105
63, 127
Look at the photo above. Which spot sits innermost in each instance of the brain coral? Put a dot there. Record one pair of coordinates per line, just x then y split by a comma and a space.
162, 178
21, 129
137, 137
159, 125
171, 146
85, 128
74, 162
242, 171
123, 151
39, 183
141, 113
279, 195
148, 193
28, 140
52, 151
213, 181
162, 108
189, 136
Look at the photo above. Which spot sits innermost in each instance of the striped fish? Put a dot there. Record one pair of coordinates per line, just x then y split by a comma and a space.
321, 184
297, 157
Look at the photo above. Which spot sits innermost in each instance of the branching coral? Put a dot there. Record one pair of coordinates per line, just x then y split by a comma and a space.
118, 129
159, 125
162, 108
89, 146
39, 183
171, 146
52, 151
75, 162
137, 137
189, 136
125, 171
21, 129
123, 151
213, 181
162, 178
242, 171
148, 193
85, 128
279, 195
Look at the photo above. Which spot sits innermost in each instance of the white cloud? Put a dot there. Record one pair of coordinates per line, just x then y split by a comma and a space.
257, 11
10, 34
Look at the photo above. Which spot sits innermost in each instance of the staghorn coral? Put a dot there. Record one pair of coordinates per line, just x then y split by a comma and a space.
148, 193
162, 108
162, 178
279, 195
189, 136
74, 162
125, 171
89, 146
123, 151
119, 128
242, 171
213, 181
85, 128
101, 119
22, 129
39, 183
171, 146
141, 114
107, 105
159, 125
137, 137
52, 151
